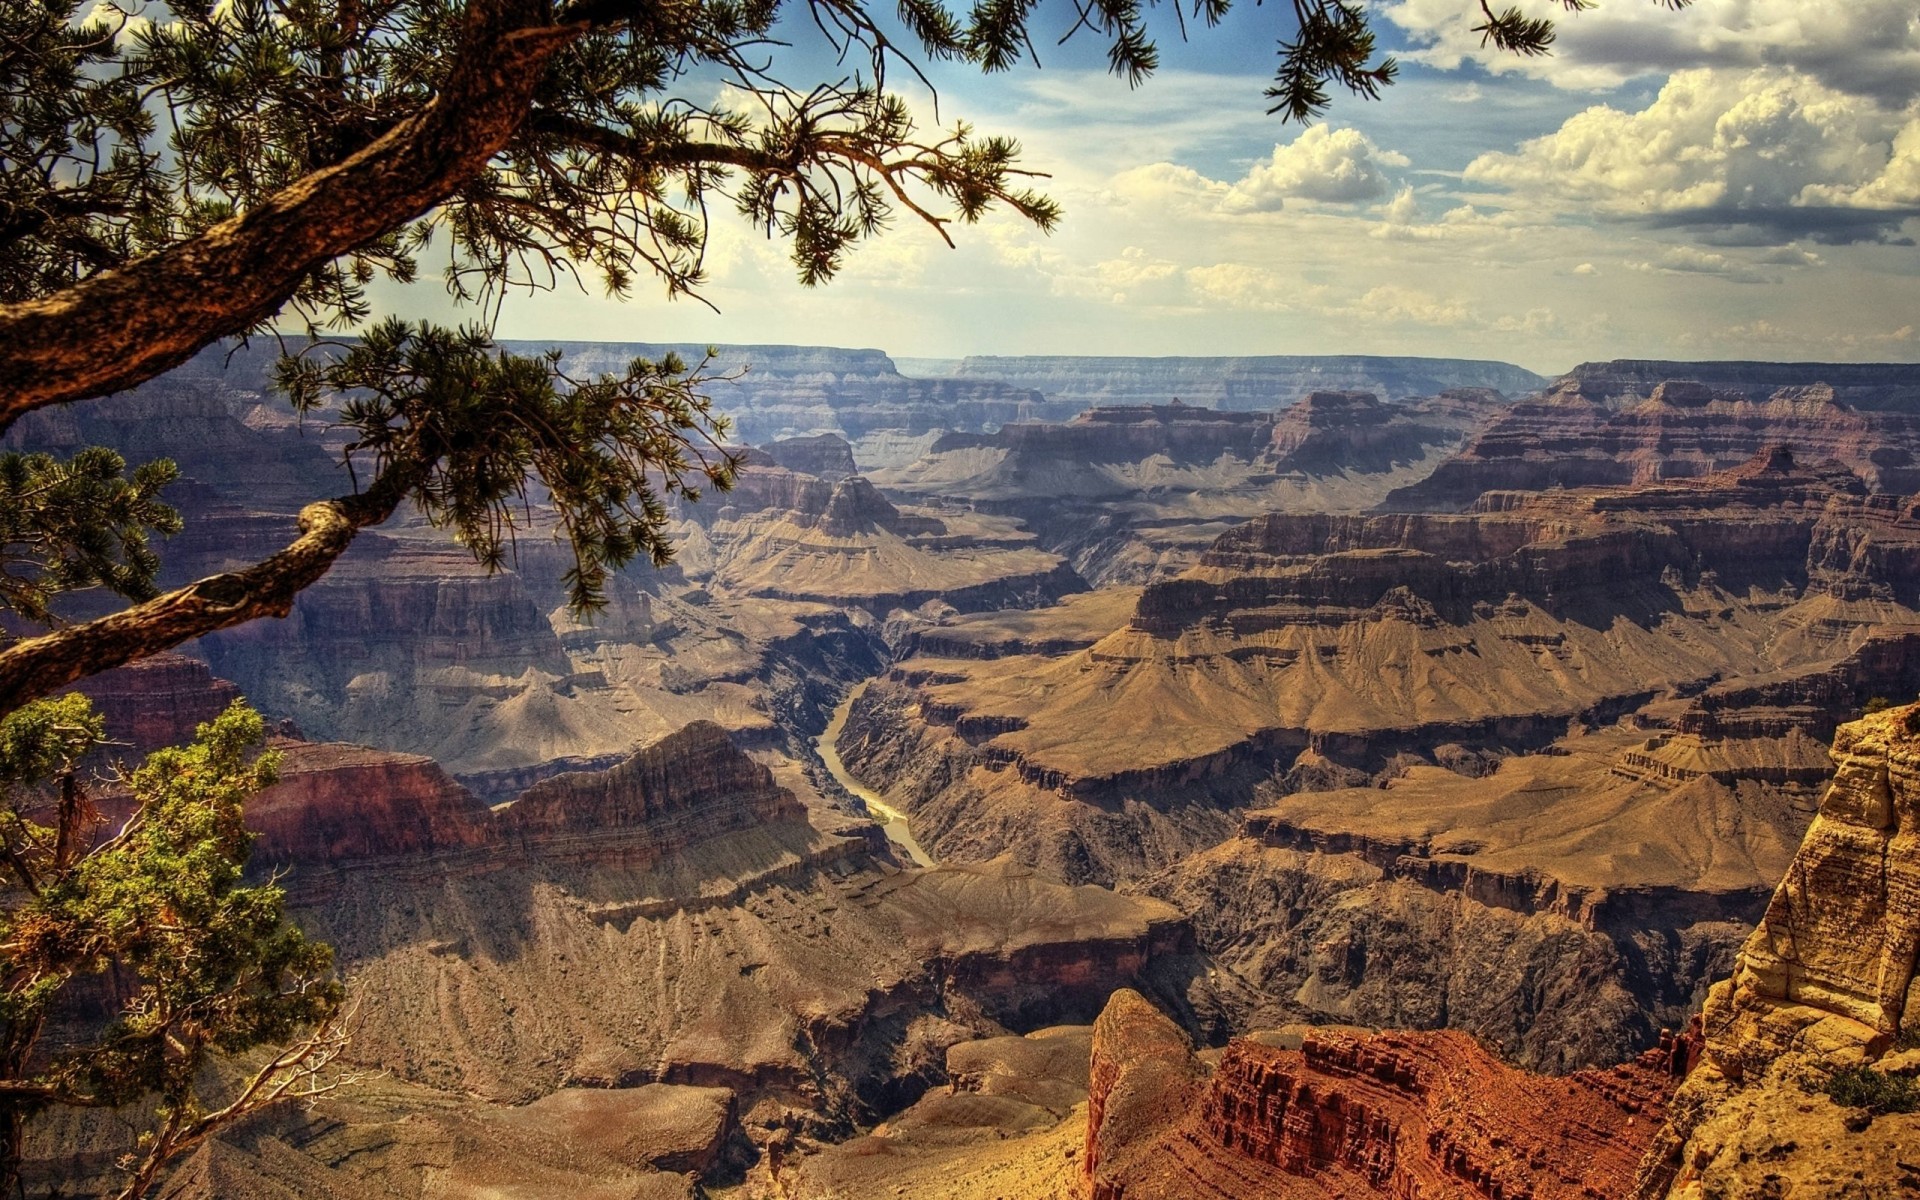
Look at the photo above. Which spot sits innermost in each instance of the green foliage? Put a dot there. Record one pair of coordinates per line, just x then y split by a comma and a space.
1876, 704
472, 428
81, 523
1335, 44
1864, 1087
156, 917
76, 180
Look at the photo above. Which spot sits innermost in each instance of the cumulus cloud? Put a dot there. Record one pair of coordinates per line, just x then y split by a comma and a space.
1332, 166
1862, 47
1764, 156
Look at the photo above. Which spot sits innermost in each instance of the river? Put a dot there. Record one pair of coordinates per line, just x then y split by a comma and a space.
891, 819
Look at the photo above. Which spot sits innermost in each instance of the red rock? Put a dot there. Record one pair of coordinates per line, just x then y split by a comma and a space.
1429, 1115
156, 702
337, 803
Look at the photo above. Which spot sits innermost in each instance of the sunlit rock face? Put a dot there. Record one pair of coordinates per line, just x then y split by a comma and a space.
1343, 1113
1630, 422
1387, 763
1826, 983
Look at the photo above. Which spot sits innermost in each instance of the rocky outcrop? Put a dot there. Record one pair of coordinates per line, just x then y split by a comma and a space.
1602, 430
1327, 432
1330, 1113
1826, 983
157, 701
1141, 1078
785, 536
338, 804
1258, 383
687, 788
338, 809
826, 455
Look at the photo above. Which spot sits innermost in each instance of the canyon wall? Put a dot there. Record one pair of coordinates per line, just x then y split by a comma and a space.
1335, 1113
1266, 382
1600, 429
1826, 984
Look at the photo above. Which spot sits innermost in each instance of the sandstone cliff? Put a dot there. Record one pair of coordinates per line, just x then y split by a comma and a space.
826, 455
1599, 429
1529, 771
156, 702
1827, 983
1343, 1114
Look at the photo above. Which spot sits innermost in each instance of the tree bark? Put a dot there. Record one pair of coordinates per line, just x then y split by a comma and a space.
120, 327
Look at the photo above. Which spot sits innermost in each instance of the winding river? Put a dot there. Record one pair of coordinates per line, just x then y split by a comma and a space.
891, 819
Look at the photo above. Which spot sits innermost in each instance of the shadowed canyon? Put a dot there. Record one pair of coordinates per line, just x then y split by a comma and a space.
1118, 778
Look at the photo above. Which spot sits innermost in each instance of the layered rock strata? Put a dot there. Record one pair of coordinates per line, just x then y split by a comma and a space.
767, 946
157, 701
1128, 491
1344, 1115
1541, 686
1602, 429
784, 536
1254, 383
1827, 983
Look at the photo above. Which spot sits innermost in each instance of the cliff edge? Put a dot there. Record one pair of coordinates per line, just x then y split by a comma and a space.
1809, 1051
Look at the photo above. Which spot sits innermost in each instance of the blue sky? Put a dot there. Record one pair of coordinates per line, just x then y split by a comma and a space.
1739, 179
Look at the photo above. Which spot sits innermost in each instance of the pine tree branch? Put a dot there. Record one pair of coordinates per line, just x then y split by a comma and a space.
122, 326
40, 666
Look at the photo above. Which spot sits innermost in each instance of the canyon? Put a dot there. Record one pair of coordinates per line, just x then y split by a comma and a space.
1065, 777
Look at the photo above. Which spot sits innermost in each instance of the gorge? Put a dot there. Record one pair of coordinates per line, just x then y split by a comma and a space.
1306, 778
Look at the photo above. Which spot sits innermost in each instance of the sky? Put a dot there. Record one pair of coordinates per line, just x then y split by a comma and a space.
1739, 179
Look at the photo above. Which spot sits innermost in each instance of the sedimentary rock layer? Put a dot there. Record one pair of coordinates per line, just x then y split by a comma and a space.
1240, 383
1826, 983
1604, 429
1346, 1114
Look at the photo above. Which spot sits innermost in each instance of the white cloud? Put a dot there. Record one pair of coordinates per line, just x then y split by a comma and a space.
1770, 150
1863, 47
1334, 166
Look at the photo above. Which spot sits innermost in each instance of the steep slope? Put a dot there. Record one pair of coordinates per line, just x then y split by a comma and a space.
1826, 984
1599, 717
1343, 1114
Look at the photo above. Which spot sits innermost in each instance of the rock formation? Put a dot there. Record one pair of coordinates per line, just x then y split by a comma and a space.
1349, 1114
1827, 983
1259, 383
825, 455
157, 701
1598, 428
785, 536
1132, 491
1537, 683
